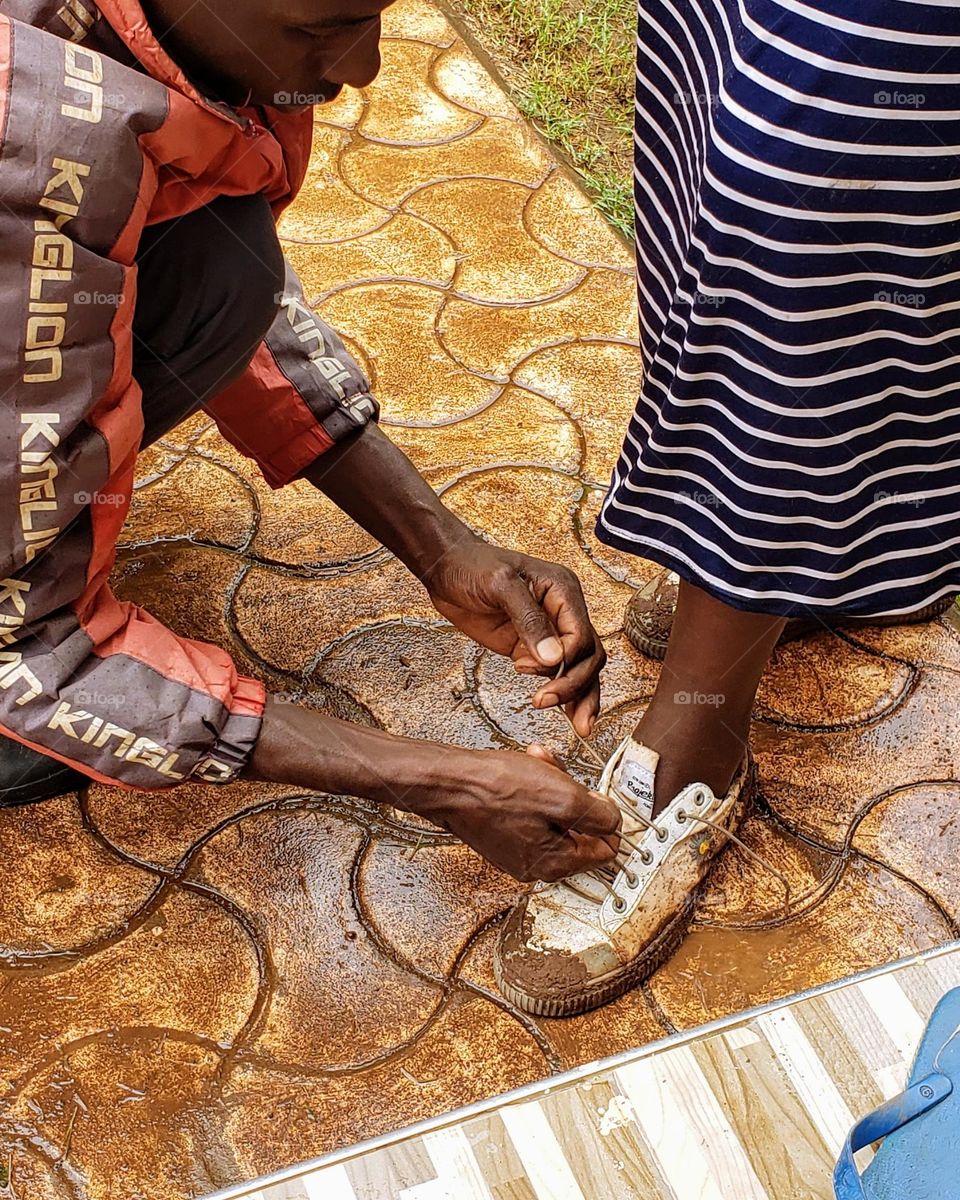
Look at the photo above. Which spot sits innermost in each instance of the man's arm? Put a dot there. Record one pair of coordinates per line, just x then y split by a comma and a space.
524, 607
304, 408
84, 678
520, 811
301, 395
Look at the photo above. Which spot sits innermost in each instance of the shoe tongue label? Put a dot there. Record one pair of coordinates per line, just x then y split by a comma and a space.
636, 781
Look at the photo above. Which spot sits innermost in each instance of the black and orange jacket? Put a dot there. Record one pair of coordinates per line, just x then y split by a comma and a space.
100, 135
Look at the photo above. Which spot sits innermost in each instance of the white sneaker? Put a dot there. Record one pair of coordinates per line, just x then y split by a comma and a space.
570, 946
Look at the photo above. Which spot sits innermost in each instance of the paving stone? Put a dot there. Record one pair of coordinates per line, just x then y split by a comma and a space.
412, 680
871, 917
417, 20
308, 1115
201, 499
114, 1089
302, 528
495, 341
326, 609
344, 112
66, 891
517, 428
404, 248
212, 983
415, 376
499, 259
505, 698
164, 831
824, 682
597, 386
623, 568
776, 878
184, 586
462, 79
937, 643
384, 176
427, 903
916, 831
404, 108
562, 219
184, 965
820, 781
328, 209
333, 998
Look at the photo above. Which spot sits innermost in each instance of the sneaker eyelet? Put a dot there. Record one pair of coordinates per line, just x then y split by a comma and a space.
662, 834
632, 881
619, 905
681, 815
646, 857
700, 797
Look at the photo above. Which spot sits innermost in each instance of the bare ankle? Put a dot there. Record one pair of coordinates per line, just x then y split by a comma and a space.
691, 751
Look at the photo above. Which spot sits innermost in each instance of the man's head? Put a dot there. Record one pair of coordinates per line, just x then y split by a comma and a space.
288, 53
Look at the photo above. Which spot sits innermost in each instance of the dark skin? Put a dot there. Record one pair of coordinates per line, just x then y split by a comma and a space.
521, 811
260, 51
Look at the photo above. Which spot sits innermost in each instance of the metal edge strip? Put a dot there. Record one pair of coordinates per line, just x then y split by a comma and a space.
544, 1087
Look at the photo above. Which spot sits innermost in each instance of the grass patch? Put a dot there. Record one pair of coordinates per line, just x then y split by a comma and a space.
569, 66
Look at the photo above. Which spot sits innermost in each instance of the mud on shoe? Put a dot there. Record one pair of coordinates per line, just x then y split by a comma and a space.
570, 946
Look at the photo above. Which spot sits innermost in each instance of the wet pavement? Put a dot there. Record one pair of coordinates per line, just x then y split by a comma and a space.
205, 985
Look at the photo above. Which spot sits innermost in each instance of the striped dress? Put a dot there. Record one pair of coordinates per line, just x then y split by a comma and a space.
796, 444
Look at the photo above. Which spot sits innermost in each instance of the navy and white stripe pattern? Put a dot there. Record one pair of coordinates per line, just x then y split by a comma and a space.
796, 445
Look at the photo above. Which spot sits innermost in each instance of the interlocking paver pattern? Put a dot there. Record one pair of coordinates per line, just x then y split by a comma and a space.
204, 985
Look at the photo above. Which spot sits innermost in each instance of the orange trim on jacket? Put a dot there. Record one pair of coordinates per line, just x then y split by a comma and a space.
86, 679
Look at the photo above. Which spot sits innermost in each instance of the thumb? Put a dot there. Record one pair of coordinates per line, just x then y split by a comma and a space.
537, 751
532, 624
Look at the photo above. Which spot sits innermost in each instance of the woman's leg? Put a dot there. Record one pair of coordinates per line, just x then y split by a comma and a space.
699, 718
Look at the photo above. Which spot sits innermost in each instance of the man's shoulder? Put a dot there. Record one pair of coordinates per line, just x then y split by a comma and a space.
78, 21
70, 122
69, 44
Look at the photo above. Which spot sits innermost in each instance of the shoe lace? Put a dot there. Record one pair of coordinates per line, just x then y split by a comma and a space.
607, 876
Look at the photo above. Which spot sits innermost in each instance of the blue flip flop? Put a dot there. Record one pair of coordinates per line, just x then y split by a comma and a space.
918, 1158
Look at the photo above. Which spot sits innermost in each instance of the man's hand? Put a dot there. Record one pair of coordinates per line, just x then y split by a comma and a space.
523, 812
527, 816
531, 610
513, 604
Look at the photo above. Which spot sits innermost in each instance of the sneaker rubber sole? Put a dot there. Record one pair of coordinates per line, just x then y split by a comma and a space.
624, 979
607, 987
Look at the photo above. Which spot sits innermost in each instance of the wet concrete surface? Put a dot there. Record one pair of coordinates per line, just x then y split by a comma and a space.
202, 986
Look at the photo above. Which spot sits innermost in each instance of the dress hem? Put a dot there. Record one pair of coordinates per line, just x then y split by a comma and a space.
641, 547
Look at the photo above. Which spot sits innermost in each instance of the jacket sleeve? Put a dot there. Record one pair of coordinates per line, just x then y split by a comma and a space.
86, 679
301, 394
